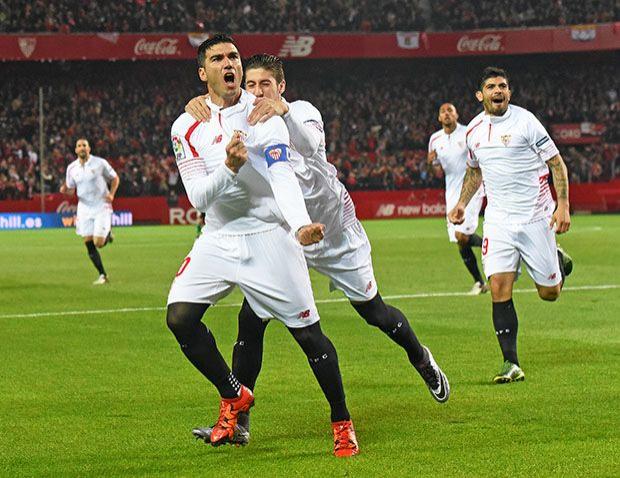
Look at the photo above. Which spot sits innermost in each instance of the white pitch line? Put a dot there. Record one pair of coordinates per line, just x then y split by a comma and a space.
423, 295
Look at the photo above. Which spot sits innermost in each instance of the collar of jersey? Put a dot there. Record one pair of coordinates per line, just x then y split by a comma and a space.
85, 162
241, 104
499, 119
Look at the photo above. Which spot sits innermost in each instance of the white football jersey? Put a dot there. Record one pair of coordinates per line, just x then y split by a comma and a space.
327, 200
512, 151
452, 157
91, 183
256, 199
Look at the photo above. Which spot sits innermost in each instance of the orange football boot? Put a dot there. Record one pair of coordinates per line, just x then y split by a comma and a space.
345, 442
224, 430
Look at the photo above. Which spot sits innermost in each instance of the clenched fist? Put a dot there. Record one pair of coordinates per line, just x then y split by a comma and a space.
310, 234
236, 153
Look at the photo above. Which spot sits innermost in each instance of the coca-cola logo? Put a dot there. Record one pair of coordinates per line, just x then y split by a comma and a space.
164, 46
489, 42
66, 207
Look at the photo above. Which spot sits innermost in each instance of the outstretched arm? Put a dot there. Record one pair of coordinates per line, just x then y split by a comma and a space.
561, 216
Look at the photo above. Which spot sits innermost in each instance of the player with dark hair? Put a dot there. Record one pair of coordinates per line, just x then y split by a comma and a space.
89, 176
240, 175
447, 153
512, 152
345, 253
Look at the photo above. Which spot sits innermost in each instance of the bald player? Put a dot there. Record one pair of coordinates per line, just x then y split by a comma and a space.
447, 152
89, 176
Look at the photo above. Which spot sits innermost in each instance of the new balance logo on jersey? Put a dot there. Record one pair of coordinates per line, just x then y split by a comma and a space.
305, 314
217, 139
296, 46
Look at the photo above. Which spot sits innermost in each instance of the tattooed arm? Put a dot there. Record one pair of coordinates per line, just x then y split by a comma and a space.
561, 216
471, 184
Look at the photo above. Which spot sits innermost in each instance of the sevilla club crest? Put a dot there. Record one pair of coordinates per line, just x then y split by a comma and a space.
27, 45
505, 139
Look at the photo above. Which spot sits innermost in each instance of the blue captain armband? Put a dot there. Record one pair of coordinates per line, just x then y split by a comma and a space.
275, 153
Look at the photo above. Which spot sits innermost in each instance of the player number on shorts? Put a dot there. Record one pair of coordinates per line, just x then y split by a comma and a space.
183, 266
485, 246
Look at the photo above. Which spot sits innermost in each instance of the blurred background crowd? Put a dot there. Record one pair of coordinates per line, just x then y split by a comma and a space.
378, 117
70, 16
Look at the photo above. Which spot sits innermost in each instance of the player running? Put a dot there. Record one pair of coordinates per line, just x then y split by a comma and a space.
344, 255
447, 153
512, 152
240, 176
89, 175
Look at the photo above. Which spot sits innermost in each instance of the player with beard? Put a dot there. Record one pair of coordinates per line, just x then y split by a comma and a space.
345, 253
510, 150
447, 153
240, 175
89, 176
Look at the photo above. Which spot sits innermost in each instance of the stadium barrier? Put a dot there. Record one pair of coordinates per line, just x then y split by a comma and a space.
585, 198
182, 46
46, 220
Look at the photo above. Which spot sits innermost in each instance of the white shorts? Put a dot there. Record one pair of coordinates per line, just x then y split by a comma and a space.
268, 267
96, 225
504, 246
345, 258
472, 214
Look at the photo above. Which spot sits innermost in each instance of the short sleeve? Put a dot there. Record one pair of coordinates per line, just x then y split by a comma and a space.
539, 140
69, 179
108, 170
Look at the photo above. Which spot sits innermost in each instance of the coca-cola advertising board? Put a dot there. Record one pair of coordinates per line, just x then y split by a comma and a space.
182, 46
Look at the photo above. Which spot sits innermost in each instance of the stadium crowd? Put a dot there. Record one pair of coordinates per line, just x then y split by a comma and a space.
377, 131
67, 16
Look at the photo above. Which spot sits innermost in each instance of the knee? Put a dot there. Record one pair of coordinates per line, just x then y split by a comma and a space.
501, 290
550, 294
462, 239
374, 311
99, 242
178, 319
309, 338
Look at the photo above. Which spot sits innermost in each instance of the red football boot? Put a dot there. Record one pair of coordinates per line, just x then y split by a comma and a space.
345, 442
224, 430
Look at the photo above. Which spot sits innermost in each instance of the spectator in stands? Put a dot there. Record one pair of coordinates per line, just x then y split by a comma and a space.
70, 16
376, 130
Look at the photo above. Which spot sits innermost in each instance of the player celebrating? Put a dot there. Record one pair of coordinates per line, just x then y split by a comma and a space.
447, 152
89, 175
512, 152
344, 255
241, 177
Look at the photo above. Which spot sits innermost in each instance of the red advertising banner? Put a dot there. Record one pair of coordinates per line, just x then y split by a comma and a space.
577, 133
179, 46
589, 197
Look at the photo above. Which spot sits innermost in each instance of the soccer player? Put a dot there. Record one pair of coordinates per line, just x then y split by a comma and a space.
240, 176
345, 253
447, 152
510, 150
89, 175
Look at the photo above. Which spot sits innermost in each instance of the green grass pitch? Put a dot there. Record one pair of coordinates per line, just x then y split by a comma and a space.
108, 393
